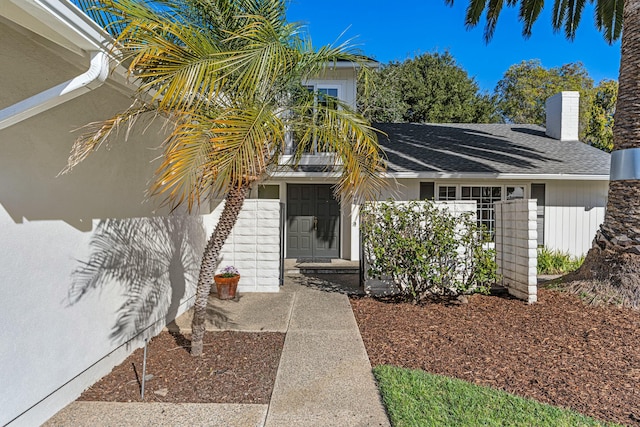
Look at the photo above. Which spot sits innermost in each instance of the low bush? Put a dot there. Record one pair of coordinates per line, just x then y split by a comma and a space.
424, 249
556, 262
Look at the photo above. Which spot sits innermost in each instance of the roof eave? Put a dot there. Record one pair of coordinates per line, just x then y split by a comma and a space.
500, 176
59, 21
456, 175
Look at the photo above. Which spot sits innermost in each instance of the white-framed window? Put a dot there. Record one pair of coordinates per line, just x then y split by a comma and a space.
447, 192
325, 93
484, 195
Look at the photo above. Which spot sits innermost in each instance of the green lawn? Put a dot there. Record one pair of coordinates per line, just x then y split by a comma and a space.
417, 398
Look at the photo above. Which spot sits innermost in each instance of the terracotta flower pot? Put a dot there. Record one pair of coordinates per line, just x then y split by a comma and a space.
226, 286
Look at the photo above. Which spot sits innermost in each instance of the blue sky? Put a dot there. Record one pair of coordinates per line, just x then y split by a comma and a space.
401, 29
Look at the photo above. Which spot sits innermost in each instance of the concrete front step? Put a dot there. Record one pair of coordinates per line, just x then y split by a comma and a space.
333, 266
322, 270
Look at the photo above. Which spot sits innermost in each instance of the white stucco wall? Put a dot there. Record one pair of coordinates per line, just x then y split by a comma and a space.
57, 340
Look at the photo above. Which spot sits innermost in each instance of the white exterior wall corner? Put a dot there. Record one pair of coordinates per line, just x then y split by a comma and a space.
47, 224
517, 262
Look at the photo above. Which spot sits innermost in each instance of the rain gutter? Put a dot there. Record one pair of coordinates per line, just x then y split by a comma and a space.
75, 25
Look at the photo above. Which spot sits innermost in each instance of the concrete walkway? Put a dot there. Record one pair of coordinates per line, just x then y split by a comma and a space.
324, 377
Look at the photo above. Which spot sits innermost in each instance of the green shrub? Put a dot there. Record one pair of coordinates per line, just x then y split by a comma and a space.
556, 262
424, 249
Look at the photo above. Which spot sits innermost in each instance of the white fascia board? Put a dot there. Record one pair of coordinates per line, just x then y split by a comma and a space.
59, 21
305, 175
499, 176
443, 175
340, 65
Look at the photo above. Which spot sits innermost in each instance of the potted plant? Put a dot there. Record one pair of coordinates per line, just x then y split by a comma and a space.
227, 282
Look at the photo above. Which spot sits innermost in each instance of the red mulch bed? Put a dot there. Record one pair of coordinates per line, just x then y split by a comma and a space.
237, 367
558, 351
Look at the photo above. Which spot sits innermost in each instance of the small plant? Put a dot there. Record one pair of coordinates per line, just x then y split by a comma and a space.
229, 271
556, 262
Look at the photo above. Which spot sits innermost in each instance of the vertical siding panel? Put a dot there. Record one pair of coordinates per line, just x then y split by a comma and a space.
567, 202
554, 219
580, 220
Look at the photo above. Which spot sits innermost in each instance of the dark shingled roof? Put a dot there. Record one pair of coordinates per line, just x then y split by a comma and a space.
486, 148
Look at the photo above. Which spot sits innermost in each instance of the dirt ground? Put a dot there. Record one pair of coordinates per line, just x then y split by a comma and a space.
237, 367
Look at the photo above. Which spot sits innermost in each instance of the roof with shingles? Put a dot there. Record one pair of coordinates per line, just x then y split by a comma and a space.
486, 148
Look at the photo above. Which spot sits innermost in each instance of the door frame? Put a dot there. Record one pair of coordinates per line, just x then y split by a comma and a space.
338, 218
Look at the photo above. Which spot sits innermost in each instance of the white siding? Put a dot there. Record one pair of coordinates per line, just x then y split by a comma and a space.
574, 210
345, 79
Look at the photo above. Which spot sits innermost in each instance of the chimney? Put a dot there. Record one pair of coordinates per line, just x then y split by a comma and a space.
562, 111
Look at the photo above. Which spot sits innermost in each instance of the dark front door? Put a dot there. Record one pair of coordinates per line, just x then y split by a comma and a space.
313, 221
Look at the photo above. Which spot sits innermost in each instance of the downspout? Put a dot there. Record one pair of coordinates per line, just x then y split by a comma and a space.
91, 79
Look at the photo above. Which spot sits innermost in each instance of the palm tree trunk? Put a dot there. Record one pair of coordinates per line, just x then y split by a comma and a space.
232, 206
615, 255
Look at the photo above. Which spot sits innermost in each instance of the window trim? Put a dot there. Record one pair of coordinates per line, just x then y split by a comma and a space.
458, 190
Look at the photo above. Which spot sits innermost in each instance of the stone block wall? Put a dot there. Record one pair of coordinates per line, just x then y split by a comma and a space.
254, 246
516, 247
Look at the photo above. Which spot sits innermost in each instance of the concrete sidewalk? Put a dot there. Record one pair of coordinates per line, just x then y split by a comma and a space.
324, 377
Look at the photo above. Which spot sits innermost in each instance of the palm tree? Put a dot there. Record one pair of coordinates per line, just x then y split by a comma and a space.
227, 76
612, 265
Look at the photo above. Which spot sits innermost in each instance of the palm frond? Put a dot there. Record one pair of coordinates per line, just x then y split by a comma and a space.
566, 15
222, 71
97, 133
494, 7
205, 155
264, 58
474, 12
609, 18
558, 14
529, 13
355, 144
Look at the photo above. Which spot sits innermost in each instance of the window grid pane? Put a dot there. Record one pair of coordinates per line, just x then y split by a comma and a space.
485, 197
514, 193
446, 193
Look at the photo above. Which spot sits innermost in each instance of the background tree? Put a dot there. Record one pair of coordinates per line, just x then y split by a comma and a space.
430, 88
222, 72
523, 90
599, 132
385, 103
612, 266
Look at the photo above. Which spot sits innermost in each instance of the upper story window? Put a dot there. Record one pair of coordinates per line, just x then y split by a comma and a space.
325, 96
